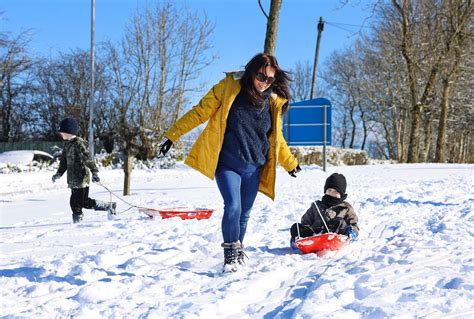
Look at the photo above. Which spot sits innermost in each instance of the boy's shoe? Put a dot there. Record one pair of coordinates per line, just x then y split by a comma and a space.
111, 213
108, 206
349, 232
112, 207
293, 245
76, 218
101, 205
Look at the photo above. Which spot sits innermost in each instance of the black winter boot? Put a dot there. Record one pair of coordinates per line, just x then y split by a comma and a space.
111, 213
108, 206
76, 218
241, 255
230, 256
101, 205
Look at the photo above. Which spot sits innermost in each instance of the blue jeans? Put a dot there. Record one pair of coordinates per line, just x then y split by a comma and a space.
239, 188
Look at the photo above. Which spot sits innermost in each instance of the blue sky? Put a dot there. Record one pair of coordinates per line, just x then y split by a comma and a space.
62, 25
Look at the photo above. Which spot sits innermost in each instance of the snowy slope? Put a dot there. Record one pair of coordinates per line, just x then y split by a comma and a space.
414, 257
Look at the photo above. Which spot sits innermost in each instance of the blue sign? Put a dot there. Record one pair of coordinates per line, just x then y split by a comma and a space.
308, 123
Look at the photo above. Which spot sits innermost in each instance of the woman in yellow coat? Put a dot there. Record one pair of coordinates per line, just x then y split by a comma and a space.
241, 144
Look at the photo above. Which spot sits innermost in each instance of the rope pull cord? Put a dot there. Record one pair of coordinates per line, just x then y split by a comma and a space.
321, 215
123, 200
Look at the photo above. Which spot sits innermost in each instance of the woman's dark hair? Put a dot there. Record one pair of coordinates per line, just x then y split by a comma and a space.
279, 86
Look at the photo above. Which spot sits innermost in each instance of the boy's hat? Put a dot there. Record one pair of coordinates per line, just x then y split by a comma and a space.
69, 125
336, 181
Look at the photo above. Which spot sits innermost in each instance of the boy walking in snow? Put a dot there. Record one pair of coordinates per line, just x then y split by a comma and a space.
79, 164
338, 214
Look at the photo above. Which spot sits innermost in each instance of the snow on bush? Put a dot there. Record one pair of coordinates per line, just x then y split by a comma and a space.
103, 160
35, 166
307, 155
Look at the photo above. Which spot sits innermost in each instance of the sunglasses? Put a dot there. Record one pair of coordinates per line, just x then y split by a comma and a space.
263, 78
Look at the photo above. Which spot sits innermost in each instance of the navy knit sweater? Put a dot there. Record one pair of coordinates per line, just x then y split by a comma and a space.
246, 135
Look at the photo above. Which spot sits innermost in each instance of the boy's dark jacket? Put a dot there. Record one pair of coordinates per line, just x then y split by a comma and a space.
343, 210
78, 162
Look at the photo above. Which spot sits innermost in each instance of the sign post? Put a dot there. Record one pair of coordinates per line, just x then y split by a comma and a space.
324, 140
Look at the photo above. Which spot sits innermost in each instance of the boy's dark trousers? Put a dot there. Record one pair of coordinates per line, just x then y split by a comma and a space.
301, 231
336, 225
79, 200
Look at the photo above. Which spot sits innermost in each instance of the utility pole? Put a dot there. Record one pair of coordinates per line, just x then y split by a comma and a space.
316, 55
91, 94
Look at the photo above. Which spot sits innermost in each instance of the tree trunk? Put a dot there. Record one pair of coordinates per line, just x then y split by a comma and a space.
427, 142
7, 108
127, 169
181, 86
440, 156
364, 126
344, 130
414, 141
388, 139
464, 149
5, 125
353, 131
467, 141
448, 80
401, 137
416, 105
272, 27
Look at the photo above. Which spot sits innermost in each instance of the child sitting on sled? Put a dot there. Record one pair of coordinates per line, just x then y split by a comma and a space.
339, 216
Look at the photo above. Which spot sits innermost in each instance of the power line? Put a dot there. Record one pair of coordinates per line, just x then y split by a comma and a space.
352, 25
347, 30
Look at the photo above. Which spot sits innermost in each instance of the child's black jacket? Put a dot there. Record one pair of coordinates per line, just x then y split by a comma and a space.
343, 210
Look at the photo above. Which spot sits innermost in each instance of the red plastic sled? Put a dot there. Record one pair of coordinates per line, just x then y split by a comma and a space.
182, 212
323, 242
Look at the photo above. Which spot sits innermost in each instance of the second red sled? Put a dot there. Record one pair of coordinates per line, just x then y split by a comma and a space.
181, 212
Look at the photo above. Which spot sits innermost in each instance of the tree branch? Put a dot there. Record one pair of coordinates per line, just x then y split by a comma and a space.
263, 10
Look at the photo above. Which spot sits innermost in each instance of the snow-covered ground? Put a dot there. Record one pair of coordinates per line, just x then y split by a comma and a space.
414, 257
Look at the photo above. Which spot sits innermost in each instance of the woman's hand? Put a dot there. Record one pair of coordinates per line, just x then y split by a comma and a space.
294, 171
165, 147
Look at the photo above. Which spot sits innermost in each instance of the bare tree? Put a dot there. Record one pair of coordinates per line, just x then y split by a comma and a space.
301, 81
195, 33
62, 89
402, 72
422, 50
48, 101
154, 69
460, 123
458, 14
344, 75
125, 80
15, 65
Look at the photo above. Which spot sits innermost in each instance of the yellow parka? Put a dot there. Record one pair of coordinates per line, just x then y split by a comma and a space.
214, 107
